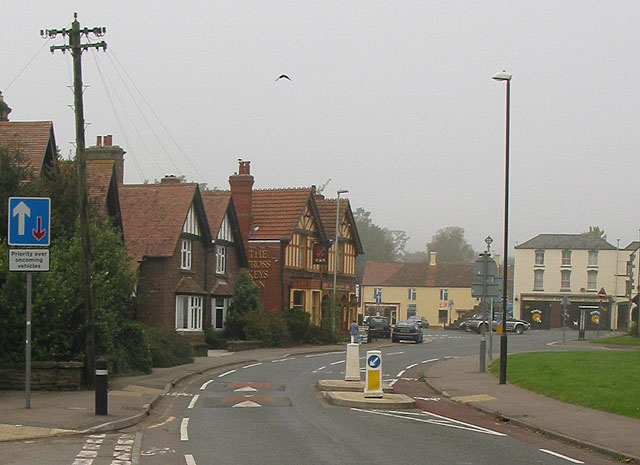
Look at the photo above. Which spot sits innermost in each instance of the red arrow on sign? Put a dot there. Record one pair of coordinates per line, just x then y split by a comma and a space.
39, 233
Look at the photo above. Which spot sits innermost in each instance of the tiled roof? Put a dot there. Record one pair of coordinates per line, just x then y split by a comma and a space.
327, 210
99, 176
633, 246
566, 241
221, 287
277, 212
187, 285
30, 138
418, 274
153, 216
216, 204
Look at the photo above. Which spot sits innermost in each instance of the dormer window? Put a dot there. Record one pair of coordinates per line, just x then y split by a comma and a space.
191, 225
539, 258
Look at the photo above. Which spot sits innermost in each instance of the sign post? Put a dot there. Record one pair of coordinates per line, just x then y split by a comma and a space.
373, 377
29, 226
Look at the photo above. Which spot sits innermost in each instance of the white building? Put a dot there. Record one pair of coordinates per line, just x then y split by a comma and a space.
589, 271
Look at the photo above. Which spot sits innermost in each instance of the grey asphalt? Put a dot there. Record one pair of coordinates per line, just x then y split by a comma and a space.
131, 399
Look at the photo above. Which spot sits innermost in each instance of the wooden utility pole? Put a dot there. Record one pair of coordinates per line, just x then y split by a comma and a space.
77, 47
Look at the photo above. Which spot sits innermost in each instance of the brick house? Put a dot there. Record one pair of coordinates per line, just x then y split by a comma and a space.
166, 232
226, 256
104, 175
438, 292
288, 246
35, 140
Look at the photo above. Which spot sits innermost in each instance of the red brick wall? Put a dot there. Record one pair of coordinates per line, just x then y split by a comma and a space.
265, 262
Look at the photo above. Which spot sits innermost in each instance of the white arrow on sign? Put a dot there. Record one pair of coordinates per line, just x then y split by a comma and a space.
21, 210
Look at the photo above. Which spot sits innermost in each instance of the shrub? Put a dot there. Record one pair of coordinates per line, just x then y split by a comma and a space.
214, 339
245, 300
633, 329
168, 348
132, 354
268, 328
298, 322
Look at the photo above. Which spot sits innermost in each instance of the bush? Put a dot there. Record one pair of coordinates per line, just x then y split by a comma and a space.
214, 339
633, 329
168, 348
245, 300
133, 354
298, 322
267, 327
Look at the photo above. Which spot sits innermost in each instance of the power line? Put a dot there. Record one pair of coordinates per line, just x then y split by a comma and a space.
26, 66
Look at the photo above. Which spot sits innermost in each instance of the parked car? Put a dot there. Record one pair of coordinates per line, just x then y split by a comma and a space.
475, 323
379, 327
418, 320
407, 330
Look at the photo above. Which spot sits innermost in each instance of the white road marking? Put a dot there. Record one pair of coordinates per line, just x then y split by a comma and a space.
282, 360
189, 459
400, 373
204, 386
337, 363
430, 360
411, 366
253, 365
247, 403
193, 401
184, 435
560, 456
246, 389
431, 399
226, 373
323, 355
392, 382
394, 353
433, 419
319, 369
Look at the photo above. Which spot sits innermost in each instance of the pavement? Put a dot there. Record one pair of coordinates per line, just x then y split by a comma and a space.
132, 398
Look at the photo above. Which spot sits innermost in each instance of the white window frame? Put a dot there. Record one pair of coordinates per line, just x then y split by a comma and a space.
221, 259
214, 310
565, 284
593, 258
538, 280
189, 313
185, 254
566, 258
539, 257
592, 285
444, 295
411, 293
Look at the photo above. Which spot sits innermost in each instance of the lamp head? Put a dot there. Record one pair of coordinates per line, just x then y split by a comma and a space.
502, 76
343, 191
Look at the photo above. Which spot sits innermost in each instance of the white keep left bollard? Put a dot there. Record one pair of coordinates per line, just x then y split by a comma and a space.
353, 362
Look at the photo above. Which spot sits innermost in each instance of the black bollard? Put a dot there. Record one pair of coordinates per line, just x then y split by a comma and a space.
102, 385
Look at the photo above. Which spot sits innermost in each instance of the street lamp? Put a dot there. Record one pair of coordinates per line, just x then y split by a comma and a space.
336, 259
504, 76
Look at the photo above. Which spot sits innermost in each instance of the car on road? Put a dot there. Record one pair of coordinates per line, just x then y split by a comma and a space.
475, 323
379, 327
407, 330
422, 323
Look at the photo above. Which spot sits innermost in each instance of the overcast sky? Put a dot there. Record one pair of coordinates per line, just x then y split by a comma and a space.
393, 101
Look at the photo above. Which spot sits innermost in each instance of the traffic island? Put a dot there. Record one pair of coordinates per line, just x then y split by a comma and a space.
358, 400
346, 386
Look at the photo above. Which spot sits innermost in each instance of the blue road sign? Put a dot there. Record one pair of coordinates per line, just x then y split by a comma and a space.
374, 361
29, 221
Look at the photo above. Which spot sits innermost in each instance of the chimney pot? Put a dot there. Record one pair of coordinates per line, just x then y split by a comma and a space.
99, 141
108, 140
170, 179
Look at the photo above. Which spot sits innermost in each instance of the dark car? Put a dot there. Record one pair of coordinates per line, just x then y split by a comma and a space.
407, 330
422, 323
379, 327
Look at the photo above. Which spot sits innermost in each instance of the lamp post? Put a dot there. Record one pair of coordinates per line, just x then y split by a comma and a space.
336, 259
504, 76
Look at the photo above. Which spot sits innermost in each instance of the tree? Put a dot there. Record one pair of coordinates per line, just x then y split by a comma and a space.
451, 246
377, 244
595, 232
13, 170
415, 257
245, 300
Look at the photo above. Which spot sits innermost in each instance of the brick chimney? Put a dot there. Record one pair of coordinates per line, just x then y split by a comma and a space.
170, 179
4, 109
105, 150
241, 184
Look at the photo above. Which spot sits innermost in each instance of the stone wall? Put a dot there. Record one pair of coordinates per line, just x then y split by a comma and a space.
50, 376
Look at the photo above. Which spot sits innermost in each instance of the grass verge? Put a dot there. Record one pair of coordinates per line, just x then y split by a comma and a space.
624, 340
604, 381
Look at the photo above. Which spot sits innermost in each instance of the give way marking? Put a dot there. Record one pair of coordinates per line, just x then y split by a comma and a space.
432, 418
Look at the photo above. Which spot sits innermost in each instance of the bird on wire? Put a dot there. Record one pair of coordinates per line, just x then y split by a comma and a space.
283, 76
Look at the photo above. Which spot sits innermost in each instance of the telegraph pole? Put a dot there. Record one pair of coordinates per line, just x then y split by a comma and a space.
77, 47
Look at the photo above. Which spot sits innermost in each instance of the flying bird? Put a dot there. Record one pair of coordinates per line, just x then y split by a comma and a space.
283, 76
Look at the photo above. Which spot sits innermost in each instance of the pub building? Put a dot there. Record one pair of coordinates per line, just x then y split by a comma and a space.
290, 244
